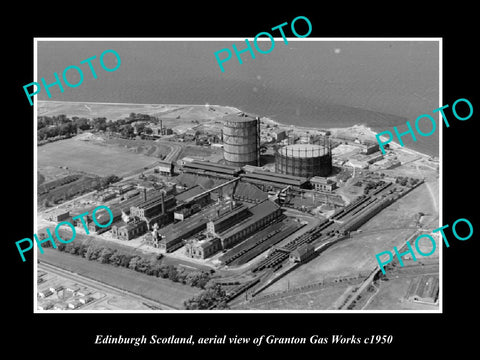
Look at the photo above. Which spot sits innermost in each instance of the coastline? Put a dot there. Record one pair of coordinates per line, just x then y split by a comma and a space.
78, 108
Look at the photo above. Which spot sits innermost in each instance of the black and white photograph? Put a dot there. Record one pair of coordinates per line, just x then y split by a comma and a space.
262, 187
225, 181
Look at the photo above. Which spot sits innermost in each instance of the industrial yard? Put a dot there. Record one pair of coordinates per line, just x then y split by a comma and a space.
281, 218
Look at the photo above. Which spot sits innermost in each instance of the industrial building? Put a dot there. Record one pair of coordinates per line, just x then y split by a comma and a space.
171, 237
103, 217
239, 224
59, 215
134, 217
129, 230
369, 147
302, 253
249, 193
211, 169
305, 160
202, 249
241, 140
165, 168
190, 202
158, 209
268, 181
278, 134
323, 184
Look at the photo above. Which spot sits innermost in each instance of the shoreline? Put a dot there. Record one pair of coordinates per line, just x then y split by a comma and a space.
357, 130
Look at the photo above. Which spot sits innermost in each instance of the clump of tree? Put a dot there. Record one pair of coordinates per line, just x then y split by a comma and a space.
212, 297
146, 264
109, 179
404, 181
60, 127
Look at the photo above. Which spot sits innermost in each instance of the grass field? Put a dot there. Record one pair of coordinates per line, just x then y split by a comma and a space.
90, 157
391, 296
157, 289
322, 299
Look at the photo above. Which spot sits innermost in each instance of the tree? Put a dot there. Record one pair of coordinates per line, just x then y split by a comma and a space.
134, 262
72, 248
109, 179
113, 126
143, 265
172, 273
82, 250
115, 258
100, 123
127, 130
82, 123
213, 296
93, 252
125, 260
148, 130
104, 255
163, 271
140, 128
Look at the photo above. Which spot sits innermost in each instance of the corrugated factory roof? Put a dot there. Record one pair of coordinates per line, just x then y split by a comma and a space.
258, 211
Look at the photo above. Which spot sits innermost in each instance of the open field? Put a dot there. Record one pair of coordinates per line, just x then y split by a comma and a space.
157, 289
391, 296
137, 146
322, 299
90, 157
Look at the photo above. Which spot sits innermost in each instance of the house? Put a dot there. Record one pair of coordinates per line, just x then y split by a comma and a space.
45, 293
202, 249
74, 304
165, 168
56, 289
58, 215
86, 300
83, 292
60, 306
369, 147
73, 289
128, 231
278, 134
323, 184
45, 306
302, 253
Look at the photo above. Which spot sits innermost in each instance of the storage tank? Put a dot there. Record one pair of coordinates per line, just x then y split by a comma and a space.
305, 160
241, 140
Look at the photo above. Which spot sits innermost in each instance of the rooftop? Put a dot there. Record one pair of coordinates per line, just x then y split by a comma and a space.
249, 191
208, 166
185, 195
320, 180
303, 150
258, 211
275, 177
198, 220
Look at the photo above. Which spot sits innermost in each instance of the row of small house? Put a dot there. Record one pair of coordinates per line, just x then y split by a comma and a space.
73, 304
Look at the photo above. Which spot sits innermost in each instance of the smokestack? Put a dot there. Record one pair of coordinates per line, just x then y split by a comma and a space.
144, 193
163, 202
